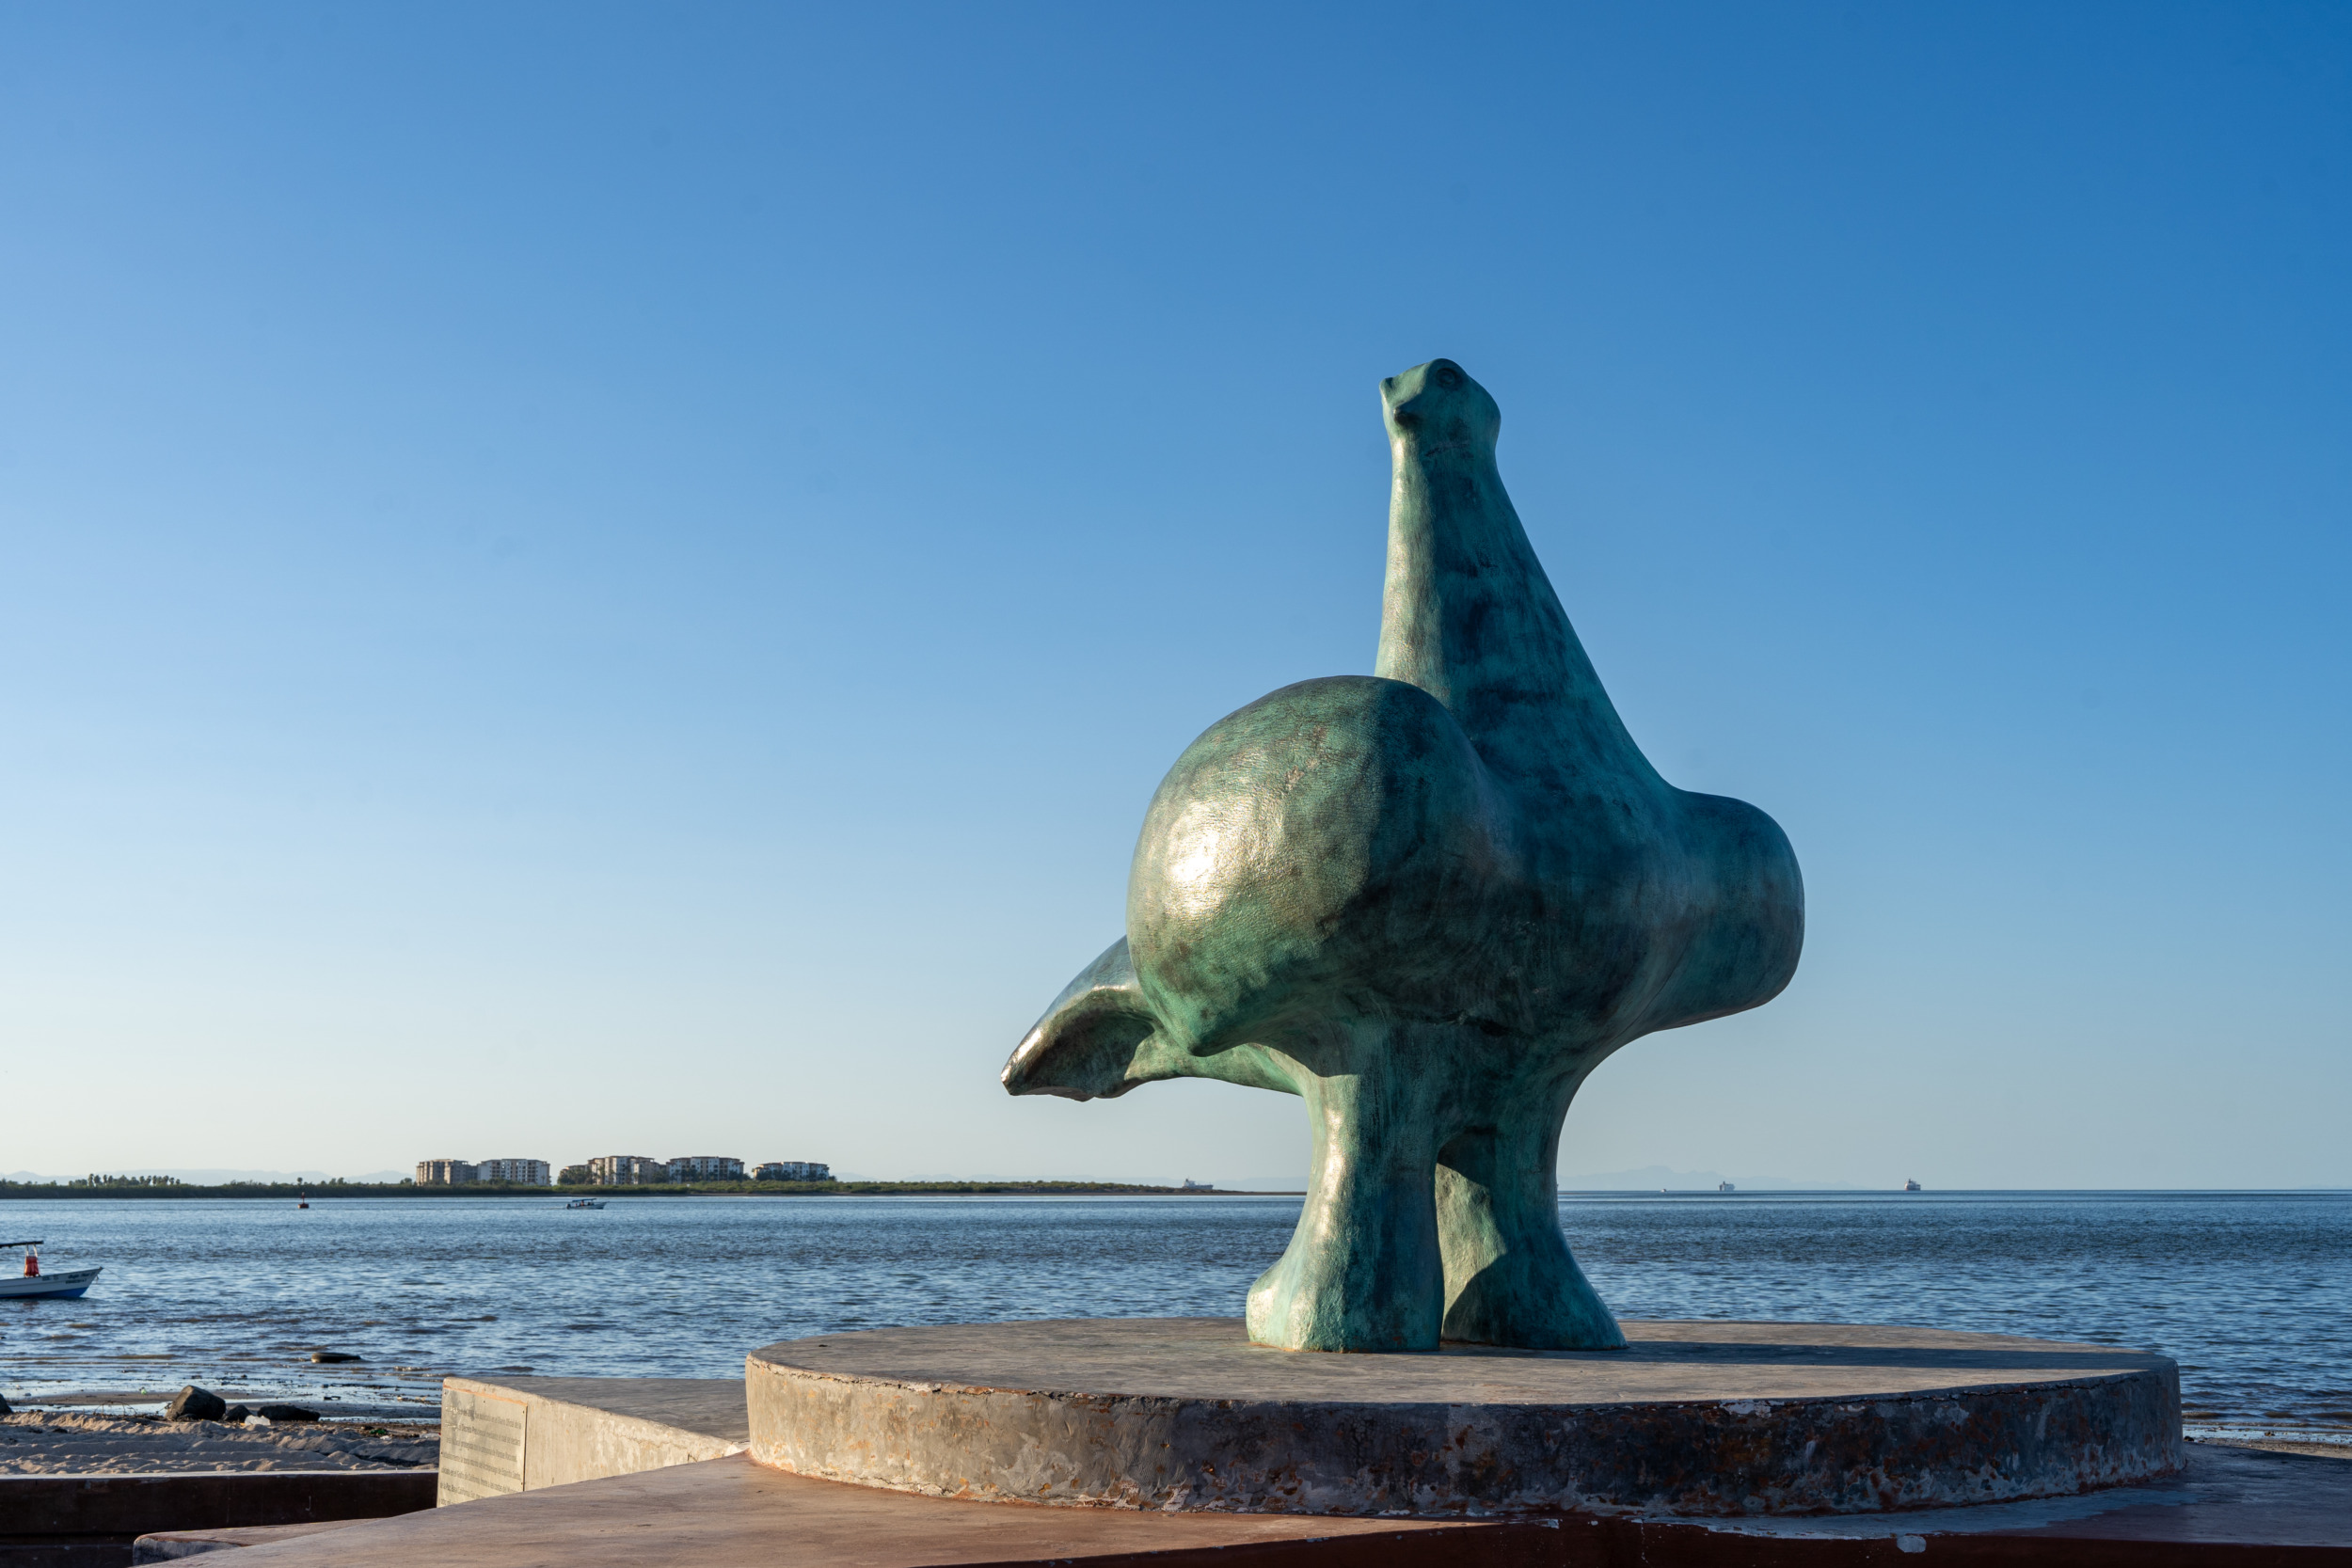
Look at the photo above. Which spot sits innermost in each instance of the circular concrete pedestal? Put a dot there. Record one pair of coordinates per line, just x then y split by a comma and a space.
1692, 1418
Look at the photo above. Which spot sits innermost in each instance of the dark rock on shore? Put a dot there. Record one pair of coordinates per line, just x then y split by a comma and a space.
196, 1404
276, 1413
5, 1408
235, 1414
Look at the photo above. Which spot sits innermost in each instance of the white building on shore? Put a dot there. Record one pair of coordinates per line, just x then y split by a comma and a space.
793, 1170
465, 1173
637, 1170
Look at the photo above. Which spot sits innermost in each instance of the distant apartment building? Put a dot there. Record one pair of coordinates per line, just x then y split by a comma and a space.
634, 1170
626, 1170
447, 1173
522, 1173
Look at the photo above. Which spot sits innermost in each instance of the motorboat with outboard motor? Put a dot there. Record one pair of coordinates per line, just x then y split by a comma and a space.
64, 1284
585, 1203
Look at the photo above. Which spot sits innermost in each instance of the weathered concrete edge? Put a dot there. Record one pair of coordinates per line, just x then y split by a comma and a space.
172, 1545
563, 1441
1965, 1445
692, 1445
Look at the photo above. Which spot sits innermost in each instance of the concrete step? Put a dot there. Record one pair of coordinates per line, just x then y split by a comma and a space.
525, 1434
2230, 1508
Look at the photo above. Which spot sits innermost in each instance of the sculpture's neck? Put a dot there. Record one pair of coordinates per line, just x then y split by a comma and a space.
1469, 616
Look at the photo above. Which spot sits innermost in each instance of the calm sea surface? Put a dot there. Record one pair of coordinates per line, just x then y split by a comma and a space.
2253, 1293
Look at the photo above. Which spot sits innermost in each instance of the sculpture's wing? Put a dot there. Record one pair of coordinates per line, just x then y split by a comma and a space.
1088, 1040
1098, 1040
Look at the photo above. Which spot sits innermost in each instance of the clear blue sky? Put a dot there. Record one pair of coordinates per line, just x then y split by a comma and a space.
580, 578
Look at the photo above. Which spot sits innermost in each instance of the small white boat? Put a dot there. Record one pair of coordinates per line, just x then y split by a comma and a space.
65, 1284
585, 1203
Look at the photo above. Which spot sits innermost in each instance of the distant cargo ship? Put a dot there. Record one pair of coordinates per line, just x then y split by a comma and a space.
1912, 1187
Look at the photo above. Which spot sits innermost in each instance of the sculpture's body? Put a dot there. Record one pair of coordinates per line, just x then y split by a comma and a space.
1430, 901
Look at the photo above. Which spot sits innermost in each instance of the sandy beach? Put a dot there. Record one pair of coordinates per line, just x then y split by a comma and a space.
49, 1442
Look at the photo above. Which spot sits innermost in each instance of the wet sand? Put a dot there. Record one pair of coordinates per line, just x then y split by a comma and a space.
2280, 1444
56, 1443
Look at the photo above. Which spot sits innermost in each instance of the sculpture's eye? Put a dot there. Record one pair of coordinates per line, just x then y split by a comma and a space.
1448, 377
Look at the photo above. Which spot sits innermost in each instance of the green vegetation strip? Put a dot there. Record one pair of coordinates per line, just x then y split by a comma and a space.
139, 1188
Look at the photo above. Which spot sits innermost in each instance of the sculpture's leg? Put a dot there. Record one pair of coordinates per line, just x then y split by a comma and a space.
1362, 1271
1509, 1276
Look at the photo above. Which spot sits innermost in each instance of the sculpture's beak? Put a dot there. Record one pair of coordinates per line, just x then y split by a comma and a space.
1400, 398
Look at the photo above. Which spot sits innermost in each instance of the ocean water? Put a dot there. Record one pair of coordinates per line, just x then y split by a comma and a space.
2252, 1292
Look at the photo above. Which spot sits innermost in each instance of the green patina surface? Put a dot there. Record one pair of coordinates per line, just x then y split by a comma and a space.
1429, 901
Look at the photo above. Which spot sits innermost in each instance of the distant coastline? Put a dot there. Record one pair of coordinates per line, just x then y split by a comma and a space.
666, 1189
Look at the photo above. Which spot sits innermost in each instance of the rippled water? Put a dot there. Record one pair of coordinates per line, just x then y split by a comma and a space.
2253, 1293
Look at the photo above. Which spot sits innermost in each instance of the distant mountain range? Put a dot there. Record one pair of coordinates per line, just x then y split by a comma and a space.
1651, 1178
1648, 1179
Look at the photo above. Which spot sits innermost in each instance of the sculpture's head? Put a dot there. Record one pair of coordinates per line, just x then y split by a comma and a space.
1436, 407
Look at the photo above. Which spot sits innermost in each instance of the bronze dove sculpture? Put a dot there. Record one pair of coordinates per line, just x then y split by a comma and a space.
1429, 901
